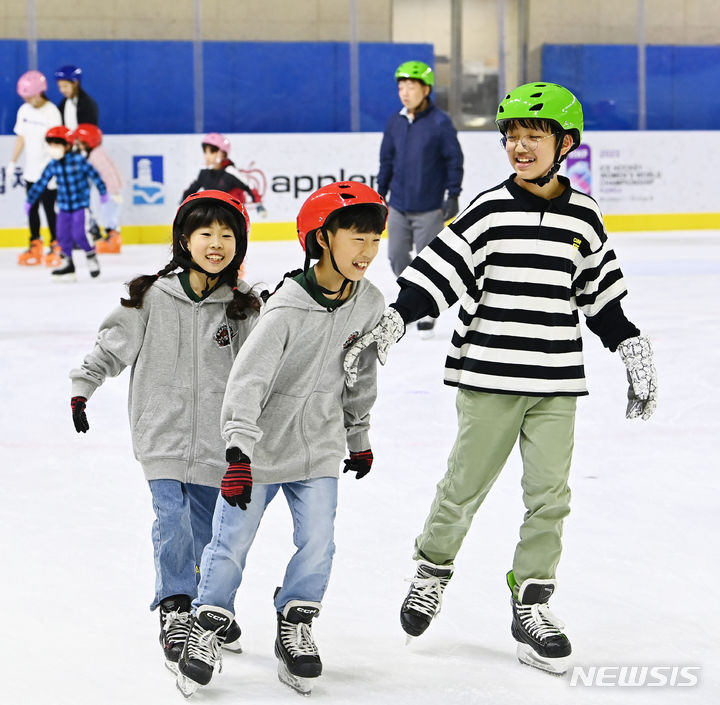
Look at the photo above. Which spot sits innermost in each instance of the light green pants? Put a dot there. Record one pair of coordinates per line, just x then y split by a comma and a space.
488, 426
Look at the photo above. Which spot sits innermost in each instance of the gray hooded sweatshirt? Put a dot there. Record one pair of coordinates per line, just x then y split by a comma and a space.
286, 405
181, 353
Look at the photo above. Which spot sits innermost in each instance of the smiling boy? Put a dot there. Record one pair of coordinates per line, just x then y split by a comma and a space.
288, 419
522, 258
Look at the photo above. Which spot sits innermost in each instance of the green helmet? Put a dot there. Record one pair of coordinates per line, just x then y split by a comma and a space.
418, 70
543, 101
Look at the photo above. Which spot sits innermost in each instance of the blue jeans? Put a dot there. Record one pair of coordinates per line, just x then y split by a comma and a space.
312, 507
181, 530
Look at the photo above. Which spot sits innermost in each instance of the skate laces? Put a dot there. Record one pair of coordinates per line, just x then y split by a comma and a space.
297, 639
426, 593
539, 621
205, 645
176, 625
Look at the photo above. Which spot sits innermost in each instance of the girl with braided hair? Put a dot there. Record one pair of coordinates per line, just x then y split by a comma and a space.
179, 330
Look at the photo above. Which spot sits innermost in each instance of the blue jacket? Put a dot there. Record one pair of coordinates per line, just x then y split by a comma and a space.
420, 160
72, 173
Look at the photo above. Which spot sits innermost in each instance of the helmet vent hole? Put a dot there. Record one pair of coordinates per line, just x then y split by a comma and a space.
501, 109
540, 85
536, 95
347, 196
537, 106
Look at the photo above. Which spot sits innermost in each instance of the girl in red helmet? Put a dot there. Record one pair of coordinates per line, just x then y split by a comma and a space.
179, 330
88, 140
34, 118
73, 173
288, 420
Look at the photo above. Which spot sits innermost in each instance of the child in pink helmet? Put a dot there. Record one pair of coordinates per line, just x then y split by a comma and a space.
34, 118
220, 172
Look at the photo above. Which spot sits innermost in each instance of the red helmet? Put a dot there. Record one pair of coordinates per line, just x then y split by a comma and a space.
329, 199
60, 133
91, 135
230, 202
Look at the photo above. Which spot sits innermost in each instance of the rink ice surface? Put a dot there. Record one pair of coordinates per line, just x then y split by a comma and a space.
637, 581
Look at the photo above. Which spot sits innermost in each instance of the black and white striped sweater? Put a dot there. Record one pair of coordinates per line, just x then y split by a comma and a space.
521, 266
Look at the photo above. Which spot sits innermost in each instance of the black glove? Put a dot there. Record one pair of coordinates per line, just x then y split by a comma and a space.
236, 486
450, 207
359, 463
77, 404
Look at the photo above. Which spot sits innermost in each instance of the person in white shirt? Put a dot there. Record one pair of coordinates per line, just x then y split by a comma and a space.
34, 118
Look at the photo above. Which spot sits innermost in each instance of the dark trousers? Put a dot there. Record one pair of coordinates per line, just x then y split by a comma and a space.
47, 198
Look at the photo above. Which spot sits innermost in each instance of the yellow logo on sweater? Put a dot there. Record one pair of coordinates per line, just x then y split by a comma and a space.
577, 242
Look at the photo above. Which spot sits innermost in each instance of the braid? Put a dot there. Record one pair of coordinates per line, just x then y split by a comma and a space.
138, 286
242, 301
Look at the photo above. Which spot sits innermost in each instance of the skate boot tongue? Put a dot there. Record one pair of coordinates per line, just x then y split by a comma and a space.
301, 613
536, 591
176, 603
212, 620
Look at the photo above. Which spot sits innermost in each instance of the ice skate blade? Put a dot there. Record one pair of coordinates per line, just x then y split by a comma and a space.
554, 666
63, 278
186, 686
172, 667
299, 685
233, 646
409, 638
426, 334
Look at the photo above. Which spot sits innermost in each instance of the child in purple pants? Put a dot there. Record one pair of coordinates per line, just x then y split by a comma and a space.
72, 172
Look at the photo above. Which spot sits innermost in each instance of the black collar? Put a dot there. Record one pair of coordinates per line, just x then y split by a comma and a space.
531, 202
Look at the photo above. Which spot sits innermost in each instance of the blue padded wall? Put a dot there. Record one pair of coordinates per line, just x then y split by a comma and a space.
147, 87
604, 77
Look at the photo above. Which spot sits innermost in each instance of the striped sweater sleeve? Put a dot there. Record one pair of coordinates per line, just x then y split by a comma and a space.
443, 270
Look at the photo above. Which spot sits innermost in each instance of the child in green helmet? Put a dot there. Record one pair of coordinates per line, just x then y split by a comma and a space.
523, 258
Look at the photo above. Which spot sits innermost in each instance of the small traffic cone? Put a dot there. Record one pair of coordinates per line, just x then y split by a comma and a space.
33, 255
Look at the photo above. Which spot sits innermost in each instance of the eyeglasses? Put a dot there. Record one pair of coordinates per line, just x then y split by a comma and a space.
529, 142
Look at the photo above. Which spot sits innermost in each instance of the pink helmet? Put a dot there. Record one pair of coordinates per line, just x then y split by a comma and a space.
31, 83
217, 140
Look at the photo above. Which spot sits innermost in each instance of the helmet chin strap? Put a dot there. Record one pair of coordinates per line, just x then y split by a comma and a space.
557, 162
346, 281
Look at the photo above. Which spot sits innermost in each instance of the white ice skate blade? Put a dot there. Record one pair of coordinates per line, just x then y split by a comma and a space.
172, 667
556, 666
186, 686
299, 685
426, 334
64, 277
233, 646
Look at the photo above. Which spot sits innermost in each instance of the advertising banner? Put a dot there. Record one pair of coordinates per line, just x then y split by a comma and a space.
638, 185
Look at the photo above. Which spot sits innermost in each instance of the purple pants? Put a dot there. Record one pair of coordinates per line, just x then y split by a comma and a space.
70, 228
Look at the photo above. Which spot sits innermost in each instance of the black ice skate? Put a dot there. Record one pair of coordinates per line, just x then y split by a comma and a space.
537, 630
66, 271
203, 648
93, 264
426, 327
298, 659
175, 618
424, 598
231, 641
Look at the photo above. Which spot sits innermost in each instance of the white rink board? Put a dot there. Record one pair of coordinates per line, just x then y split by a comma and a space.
631, 172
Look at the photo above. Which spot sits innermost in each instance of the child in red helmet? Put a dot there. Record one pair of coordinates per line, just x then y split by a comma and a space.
180, 332
288, 420
72, 172
88, 140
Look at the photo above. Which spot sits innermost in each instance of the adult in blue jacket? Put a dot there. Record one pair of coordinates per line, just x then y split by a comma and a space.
421, 164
